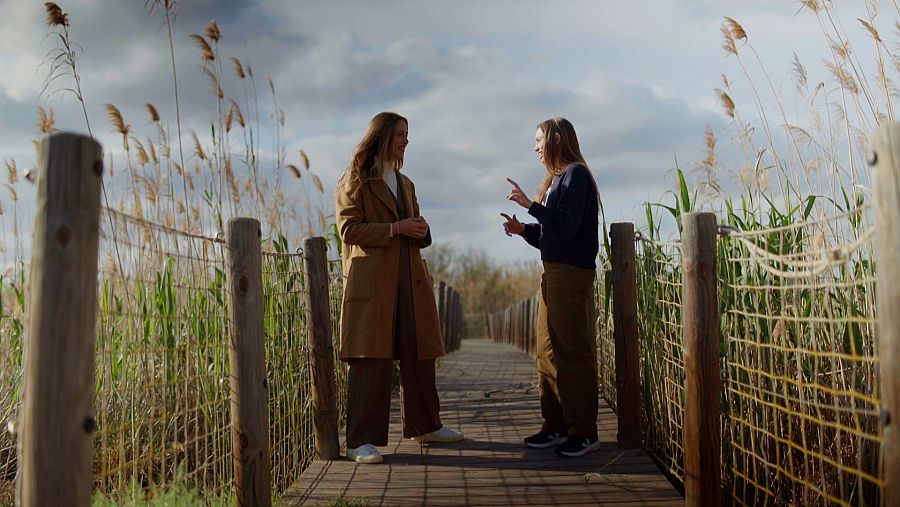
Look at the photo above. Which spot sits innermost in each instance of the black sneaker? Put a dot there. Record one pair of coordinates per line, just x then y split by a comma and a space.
577, 446
545, 439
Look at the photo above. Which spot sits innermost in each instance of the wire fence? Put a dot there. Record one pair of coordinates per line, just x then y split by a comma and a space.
606, 342
162, 399
799, 360
659, 286
336, 292
291, 433
801, 381
12, 343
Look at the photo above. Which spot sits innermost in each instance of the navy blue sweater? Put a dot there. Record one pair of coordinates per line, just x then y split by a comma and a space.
568, 225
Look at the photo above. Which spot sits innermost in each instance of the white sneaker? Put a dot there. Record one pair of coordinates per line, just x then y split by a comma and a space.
443, 434
365, 454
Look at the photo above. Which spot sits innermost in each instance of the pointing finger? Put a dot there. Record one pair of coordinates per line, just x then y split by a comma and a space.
504, 215
513, 183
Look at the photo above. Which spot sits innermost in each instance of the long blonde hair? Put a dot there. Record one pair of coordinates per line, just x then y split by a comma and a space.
560, 149
375, 146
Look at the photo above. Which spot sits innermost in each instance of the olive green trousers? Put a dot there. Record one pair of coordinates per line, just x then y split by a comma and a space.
566, 350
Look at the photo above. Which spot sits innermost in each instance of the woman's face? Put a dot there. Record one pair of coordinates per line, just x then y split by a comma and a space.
539, 143
399, 140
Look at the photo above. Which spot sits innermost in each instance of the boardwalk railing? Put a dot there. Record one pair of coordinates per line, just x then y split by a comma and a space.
201, 360
783, 331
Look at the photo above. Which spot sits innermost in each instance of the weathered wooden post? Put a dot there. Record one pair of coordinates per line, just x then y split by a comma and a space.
321, 349
529, 326
246, 352
703, 391
628, 366
442, 309
456, 321
452, 317
885, 160
57, 418
457, 316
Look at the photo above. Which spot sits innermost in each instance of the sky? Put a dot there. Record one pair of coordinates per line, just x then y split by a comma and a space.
474, 78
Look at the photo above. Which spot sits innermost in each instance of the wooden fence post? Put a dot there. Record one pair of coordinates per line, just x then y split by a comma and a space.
628, 366
457, 331
885, 160
451, 316
442, 309
459, 322
57, 418
246, 352
529, 326
703, 392
321, 349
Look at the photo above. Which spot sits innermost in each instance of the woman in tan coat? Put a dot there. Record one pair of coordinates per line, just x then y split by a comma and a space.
388, 310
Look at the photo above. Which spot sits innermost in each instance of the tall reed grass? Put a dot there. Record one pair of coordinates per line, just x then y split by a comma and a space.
161, 392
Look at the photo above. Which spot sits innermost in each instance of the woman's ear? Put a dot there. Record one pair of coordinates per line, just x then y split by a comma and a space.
556, 137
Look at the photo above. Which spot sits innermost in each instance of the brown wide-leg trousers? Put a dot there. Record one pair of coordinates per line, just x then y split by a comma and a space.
566, 350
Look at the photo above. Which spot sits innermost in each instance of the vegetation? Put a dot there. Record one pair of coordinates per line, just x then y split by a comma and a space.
161, 394
485, 285
796, 290
796, 280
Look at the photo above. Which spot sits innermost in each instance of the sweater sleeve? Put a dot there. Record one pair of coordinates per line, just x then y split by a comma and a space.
561, 223
532, 235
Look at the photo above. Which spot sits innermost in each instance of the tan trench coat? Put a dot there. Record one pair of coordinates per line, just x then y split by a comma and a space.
371, 263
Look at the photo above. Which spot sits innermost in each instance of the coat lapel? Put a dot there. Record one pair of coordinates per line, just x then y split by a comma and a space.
383, 193
407, 194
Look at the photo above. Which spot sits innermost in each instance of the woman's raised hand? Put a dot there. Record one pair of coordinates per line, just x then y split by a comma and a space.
512, 225
517, 195
415, 227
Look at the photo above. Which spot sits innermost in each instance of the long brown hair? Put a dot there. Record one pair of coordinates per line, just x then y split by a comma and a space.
375, 145
560, 150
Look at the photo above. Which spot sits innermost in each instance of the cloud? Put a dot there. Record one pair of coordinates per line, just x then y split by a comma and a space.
474, 79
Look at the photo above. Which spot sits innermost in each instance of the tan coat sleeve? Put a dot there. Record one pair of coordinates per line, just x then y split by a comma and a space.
353, 227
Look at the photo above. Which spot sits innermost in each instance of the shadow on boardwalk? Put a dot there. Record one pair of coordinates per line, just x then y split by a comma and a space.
487, 391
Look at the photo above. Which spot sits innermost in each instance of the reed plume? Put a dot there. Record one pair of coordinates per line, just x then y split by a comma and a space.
198, 148
55, 15
116, 120
12, 172
305, 159
154, 114
206, 51
238, 68
46, 121
212, 31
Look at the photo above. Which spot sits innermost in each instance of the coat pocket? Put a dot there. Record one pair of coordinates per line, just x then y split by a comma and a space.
360, 280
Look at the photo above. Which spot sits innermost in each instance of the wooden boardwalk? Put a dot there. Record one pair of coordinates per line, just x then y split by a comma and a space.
488, 391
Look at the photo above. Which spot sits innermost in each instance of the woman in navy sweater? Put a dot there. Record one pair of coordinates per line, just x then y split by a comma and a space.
566, 208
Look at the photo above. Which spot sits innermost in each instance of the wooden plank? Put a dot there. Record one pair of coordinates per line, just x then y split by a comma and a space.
703, 391
321, 349
886, 168
487, 390
57, 418
246, 353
